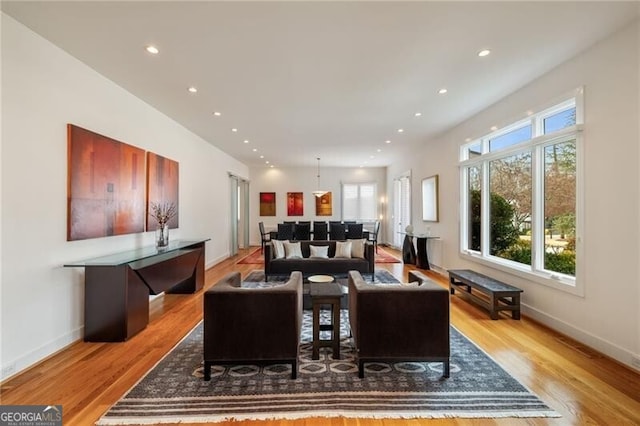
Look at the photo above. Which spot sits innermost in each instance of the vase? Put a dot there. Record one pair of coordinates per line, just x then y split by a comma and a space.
162, 235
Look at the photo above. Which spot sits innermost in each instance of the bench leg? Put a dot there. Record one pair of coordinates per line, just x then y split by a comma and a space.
515, 314
452, 288
493, 307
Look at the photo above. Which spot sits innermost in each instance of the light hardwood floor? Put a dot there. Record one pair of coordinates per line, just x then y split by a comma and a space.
581, 384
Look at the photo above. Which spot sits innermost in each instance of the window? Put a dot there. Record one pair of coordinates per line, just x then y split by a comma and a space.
359, 202
519, 197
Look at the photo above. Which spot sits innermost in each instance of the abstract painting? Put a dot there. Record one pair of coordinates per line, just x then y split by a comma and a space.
267, 204
323, 205
295, 205
162, 186
105, 186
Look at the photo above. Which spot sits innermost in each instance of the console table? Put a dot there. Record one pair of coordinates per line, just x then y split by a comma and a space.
117, 286
409, 256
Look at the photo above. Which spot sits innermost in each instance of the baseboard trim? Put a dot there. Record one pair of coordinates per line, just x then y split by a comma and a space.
603, 346
40, 354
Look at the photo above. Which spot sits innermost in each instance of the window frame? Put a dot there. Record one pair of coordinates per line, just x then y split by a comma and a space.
359, 185
536, 145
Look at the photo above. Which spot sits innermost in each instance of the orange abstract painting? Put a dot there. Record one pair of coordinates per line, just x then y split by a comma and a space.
105, 186
162, 186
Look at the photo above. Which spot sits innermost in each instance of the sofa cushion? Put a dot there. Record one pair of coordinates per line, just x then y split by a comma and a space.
278, 249
343, 249
357, 248
292, 250
319, 252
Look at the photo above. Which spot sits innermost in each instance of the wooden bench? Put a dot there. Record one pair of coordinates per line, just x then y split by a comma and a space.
502, 297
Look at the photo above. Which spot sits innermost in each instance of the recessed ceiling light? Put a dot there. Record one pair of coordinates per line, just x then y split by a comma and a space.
387, 141
262, 156
400, 130
234, 130
271, 166
246, 141
379, 150
372, 156
217, 114
266, 162
255, 149
418, 114
467, 140
484, 53
192, 89
494, 128
442, 91
152, 49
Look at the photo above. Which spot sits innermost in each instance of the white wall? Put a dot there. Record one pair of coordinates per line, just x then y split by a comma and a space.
43, 89
606, 317
303, 179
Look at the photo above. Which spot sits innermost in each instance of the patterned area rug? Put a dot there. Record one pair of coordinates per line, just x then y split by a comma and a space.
174, 391
257, 258
256, 278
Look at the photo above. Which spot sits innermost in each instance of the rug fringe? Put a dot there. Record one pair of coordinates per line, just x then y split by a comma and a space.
327, 415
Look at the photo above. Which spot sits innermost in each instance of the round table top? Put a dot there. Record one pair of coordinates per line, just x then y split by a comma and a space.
320, 279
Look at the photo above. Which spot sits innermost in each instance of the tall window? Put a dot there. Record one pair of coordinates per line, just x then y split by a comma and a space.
359, 202
519, 194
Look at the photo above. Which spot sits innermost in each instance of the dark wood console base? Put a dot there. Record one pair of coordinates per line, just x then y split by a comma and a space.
117, 293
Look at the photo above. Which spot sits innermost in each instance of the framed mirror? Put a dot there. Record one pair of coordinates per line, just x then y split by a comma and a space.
430, 199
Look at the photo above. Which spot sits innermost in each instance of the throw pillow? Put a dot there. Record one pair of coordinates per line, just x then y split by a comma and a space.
319, 252
343, 249
292, 250
357, 248
278, 248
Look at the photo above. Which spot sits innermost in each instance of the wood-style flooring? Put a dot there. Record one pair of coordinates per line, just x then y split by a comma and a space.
584, 386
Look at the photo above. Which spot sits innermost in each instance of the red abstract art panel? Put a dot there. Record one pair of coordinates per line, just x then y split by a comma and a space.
295, 205
105, 186
162, 183
267, 204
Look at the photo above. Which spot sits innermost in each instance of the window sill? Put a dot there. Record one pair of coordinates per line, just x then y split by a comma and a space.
550, 280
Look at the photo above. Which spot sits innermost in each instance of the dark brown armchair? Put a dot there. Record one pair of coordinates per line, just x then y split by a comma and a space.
252, 325
393, 323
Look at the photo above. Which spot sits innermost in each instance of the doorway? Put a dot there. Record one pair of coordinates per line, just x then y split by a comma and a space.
239, 214
401, 207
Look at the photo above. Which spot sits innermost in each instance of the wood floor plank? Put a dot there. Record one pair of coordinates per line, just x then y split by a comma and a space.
583, 385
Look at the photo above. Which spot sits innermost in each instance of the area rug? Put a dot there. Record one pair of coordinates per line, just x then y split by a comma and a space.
174, 391
257, 258
256, 278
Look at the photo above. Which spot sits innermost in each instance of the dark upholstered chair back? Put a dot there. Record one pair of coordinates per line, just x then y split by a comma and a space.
337, 231
354, 231
244, 325
285, 231
320, 231
378, 312
302, 231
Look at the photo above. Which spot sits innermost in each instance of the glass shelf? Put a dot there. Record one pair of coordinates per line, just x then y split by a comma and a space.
125, 257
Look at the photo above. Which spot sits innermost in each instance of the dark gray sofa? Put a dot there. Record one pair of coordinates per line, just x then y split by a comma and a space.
307, 266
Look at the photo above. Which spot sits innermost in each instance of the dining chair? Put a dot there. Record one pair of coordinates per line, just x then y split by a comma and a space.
337, 231
302, 231
354, 231
320, 231
373, 236
265, 237
285, 231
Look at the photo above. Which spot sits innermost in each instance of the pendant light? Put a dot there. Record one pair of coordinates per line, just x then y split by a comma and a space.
318, 193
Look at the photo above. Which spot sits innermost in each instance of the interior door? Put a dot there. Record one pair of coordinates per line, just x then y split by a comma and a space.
401, 207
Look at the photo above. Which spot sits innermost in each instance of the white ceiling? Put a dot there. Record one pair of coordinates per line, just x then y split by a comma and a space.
334, 80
